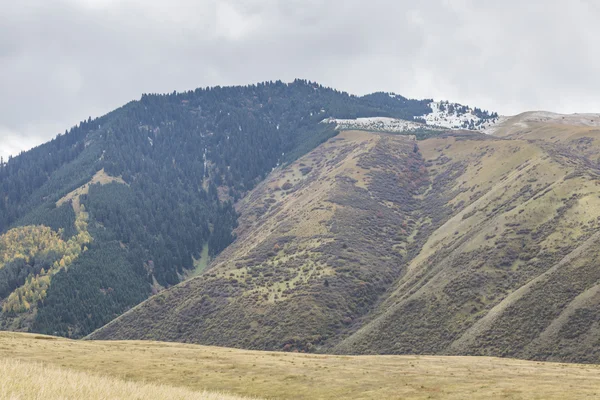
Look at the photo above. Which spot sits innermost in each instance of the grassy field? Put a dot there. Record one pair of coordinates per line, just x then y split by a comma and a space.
24, 381
42, 360
100, 177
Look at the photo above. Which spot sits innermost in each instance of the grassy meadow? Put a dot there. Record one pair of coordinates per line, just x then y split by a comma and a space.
35, 365
26, 381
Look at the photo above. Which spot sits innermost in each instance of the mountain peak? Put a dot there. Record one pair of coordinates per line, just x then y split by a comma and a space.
309, 219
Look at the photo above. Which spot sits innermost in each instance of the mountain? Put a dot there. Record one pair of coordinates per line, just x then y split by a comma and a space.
123, 206
513, 271
299, 218
461, 243
318, 243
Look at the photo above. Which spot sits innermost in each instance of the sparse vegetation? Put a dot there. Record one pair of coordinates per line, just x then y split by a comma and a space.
425, 247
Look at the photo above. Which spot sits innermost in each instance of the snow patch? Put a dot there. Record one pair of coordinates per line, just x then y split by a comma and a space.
376, 124
443, 116
456, 116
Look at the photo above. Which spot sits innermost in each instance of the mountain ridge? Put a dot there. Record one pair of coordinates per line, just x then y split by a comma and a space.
184, 158
508, 210
335, 224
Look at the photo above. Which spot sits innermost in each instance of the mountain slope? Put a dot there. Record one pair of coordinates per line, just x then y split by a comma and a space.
497, 275
318, 243
525, 272
464, 244
145, 194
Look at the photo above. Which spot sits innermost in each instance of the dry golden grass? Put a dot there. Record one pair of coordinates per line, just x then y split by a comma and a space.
100, 177
27, 381
302, 376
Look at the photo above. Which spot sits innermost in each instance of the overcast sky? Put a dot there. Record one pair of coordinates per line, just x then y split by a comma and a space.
64, 60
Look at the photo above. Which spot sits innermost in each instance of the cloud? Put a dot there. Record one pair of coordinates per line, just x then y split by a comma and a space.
12, 143
64, 60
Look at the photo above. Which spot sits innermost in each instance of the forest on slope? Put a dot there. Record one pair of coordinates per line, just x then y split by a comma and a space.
461, 244
119, 207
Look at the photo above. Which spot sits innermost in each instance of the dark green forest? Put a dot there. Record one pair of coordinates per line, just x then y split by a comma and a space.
185, 158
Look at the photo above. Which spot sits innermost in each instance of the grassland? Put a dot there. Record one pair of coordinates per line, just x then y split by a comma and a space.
201, 263
100, 177
131, 365
27, 381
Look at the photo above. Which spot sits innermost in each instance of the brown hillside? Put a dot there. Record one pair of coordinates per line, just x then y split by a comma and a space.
319, 243
378, 244
514, 272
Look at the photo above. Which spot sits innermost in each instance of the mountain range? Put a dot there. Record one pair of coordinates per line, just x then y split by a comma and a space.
296, 217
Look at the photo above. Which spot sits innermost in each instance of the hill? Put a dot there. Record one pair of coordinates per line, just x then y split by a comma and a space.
373, 243
512, 272
185, 370
318, 243
122, 206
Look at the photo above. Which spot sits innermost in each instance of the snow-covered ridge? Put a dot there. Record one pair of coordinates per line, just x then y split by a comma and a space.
456, 116
376, 124
443, 116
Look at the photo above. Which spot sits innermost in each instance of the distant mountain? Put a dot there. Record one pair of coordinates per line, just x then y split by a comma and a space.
122, 206
378, 243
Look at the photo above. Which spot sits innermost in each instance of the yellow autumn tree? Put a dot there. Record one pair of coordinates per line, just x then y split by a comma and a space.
28, 241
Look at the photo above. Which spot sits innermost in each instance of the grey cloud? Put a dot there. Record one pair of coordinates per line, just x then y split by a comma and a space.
64, 60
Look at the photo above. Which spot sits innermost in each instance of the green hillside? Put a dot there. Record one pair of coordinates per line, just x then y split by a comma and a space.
463, 243
119, 207
318, 243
